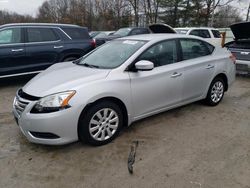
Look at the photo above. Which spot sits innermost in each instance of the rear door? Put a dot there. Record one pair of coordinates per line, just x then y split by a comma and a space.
43, 47
79, 42
198, 67
12, 51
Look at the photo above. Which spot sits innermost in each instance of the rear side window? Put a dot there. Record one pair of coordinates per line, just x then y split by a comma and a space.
194, 48
216, 34
10, 36
77, 33
41, 35
204, 33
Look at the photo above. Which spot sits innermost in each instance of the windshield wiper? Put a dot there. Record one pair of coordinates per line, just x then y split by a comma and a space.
90, 66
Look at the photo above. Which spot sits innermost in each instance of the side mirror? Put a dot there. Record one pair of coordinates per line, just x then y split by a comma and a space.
144, 65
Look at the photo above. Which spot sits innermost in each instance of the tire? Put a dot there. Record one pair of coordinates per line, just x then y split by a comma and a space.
105, 126
69, 59
216, 92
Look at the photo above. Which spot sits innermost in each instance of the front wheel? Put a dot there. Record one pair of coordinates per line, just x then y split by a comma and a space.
216, 92
100, 124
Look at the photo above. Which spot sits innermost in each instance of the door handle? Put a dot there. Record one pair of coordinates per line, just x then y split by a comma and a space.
176, 74
57, 47
210, 67
17, 50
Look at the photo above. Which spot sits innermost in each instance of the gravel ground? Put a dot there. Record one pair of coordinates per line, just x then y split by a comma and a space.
190, 147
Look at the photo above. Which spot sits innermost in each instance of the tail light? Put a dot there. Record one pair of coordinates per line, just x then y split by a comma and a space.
93, 43
233, 57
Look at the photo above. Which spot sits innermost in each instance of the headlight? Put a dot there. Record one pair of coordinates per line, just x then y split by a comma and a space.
53, 103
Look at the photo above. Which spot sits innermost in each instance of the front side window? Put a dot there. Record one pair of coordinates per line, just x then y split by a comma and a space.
112, 54
41, 35
10, 36
194, 48
161, 54
204, 33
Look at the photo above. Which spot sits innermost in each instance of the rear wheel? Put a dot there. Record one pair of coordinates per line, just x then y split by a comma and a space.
100, 124
216, 92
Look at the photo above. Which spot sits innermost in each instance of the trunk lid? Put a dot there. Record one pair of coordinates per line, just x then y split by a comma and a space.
241, 30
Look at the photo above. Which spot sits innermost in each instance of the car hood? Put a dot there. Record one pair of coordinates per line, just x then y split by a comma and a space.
62, 77
241, 30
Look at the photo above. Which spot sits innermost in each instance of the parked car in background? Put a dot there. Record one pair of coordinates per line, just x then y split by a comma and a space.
240, 47
100, 37
123, 81
211, 35
123, 32
92, 34
130, 31
31, 48
104, 34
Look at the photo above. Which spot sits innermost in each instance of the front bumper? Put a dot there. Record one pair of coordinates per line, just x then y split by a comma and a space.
62, 124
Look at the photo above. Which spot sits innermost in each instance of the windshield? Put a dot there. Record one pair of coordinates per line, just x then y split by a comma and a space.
112, 54
123, 32
182, 31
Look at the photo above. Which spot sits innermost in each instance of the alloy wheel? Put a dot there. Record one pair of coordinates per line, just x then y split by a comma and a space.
103, 124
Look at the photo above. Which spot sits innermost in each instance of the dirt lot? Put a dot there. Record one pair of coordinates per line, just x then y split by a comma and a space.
190, 147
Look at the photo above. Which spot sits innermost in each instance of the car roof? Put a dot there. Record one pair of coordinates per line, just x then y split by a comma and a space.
41, 24
159, 37
188, 28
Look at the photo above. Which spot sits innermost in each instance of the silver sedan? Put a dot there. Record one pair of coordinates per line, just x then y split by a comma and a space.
121, 82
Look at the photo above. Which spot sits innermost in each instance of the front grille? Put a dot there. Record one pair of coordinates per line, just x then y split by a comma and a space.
26, 96
20, 105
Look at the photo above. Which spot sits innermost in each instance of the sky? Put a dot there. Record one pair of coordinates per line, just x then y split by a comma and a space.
31, 6
21, 6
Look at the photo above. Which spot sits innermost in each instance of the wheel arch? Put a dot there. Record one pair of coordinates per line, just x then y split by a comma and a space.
115, 100
223, 76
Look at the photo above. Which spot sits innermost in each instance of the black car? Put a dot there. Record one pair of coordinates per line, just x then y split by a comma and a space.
30, 48
123, 32
128, 31
240, 47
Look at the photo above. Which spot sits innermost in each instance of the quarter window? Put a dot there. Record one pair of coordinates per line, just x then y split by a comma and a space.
161, 54
77, 33
41, 35
10, 36
194, 48
204, 33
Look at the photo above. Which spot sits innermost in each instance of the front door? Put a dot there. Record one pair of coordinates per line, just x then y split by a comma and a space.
161, 87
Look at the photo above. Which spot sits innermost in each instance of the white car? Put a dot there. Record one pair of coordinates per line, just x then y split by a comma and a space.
210, 35
118, 83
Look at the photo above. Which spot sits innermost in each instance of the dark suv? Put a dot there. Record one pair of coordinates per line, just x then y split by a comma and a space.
30, 48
